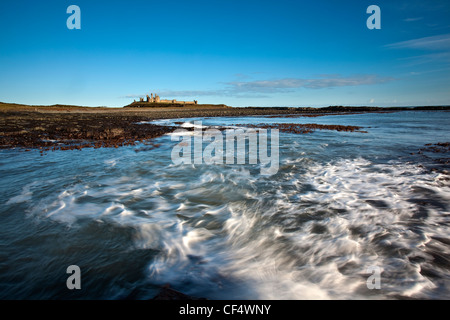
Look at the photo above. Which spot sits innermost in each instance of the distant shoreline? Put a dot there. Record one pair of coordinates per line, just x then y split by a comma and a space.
169, 107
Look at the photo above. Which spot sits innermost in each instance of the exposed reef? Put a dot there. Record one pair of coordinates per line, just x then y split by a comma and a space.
303, 128
75, 131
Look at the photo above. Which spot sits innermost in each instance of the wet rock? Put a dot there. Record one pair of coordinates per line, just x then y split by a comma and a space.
75, 131
167, 293
303, 128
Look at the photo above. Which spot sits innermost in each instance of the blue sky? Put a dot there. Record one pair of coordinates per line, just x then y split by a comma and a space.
237, 52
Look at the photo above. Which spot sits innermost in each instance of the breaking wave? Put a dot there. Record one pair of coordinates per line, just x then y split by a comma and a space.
312, 233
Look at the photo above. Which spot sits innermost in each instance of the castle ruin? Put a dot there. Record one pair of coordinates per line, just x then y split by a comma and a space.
157, 99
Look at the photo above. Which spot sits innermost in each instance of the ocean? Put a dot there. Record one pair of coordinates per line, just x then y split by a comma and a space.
347, 215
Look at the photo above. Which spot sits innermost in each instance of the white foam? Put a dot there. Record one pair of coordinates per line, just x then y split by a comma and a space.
25, 195
274, 238
315, 273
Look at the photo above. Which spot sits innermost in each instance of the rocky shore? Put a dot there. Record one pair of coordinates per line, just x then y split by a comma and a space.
303, 128
62, 127
60, 131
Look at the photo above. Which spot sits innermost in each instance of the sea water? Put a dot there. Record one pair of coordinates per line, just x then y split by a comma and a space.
340, 205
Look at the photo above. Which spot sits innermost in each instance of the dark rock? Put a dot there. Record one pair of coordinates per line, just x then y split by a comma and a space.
167, 293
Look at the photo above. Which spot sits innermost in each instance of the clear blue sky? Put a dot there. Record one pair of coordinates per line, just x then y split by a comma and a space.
237, 52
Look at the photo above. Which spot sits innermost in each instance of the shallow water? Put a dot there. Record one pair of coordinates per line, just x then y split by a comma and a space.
339, 204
